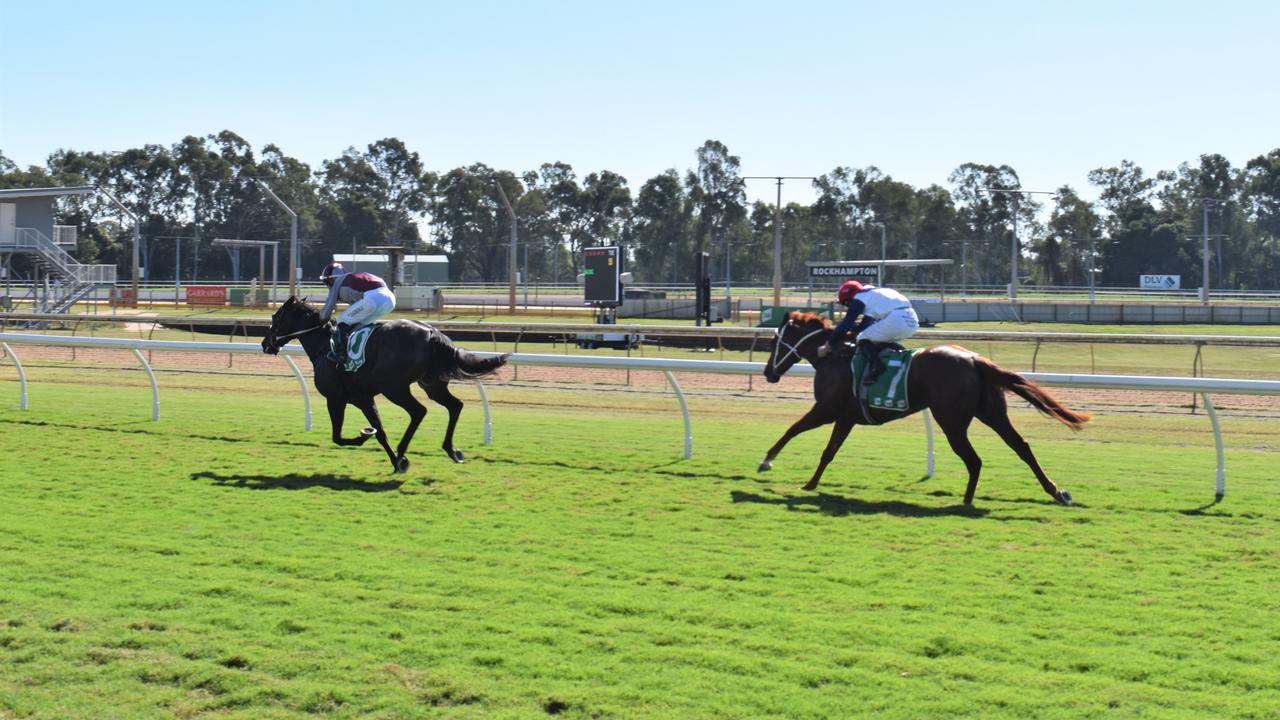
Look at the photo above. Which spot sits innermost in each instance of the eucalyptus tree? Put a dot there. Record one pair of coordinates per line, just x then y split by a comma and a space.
1138, 240
375, 196
987, 217
1074, 229
1260, 200
661, 230
937, 231
1208, 190
718, 196
467, 218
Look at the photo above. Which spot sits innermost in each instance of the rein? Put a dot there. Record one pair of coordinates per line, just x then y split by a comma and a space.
791, 349
298, 333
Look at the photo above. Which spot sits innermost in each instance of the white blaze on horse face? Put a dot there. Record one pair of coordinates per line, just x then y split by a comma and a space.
780, 341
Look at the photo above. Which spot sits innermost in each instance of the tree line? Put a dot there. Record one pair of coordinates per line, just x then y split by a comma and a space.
202, 188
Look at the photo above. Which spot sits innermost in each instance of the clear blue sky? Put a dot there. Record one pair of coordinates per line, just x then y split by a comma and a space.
1053, 89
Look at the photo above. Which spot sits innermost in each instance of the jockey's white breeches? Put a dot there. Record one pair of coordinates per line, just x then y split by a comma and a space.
898, 325
375, 304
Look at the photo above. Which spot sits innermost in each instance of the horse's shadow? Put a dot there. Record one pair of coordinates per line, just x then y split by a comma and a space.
294, 481
838, 506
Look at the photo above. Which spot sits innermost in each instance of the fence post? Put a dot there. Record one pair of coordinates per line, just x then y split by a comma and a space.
155, 389
22, 376
684, 410
306, 396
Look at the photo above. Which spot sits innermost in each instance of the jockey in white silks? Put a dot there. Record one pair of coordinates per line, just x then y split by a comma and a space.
886, 317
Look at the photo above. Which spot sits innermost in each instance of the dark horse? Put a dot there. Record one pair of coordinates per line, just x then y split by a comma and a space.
398, 354
956, 385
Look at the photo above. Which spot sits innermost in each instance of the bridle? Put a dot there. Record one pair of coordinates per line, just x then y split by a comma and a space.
779, 343
278, 341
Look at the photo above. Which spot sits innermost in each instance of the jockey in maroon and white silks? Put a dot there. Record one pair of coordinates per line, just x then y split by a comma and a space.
368, 297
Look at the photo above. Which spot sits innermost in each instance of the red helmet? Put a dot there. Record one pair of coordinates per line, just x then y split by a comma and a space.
848, 290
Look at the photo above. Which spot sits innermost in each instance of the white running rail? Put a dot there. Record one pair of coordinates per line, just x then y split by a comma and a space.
1205, 387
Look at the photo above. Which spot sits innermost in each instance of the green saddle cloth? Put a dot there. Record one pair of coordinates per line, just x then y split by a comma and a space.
889, 391
356, 343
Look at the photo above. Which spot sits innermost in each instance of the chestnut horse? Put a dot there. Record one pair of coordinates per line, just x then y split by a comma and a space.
956, 385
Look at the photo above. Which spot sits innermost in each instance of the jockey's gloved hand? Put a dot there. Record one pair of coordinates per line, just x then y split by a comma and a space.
824, 351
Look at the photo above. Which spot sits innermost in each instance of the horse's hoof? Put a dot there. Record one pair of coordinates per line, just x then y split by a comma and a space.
809, 487
402, 465
456, 456
368, 432
1064, 497
765, 466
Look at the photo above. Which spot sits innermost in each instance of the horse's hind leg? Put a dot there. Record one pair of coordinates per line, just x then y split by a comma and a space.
838, 435
371, 414
997, 418
816, 416
405, 399
440, 394
956, 428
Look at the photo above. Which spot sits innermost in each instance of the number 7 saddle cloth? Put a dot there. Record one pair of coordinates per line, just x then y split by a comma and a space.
889, 391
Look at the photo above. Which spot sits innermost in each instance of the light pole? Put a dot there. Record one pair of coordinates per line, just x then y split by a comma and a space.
1013, 252
777, 230
884, 248
136, 239
293, 237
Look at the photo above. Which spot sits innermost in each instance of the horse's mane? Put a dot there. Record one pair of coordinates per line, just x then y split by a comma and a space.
804, 318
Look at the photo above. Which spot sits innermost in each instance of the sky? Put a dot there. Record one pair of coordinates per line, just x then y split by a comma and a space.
1052, 89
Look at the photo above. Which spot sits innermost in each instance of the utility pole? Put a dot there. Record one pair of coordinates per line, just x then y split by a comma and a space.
1092, 256
511, 256
1204, 234
777, 230
1015, 193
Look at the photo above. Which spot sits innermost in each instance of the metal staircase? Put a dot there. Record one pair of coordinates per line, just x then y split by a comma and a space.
72, 280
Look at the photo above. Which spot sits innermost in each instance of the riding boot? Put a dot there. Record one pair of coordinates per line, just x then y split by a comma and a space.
338, 356
871, 351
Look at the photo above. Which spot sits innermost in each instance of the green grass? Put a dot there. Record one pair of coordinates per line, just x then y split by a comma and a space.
222, 563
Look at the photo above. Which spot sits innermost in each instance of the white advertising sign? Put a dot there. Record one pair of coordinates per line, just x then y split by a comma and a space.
1160, 282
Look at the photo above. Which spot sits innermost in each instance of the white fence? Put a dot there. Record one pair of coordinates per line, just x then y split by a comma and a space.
1205, 387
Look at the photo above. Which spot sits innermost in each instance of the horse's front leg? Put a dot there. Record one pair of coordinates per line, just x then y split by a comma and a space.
838, 435
371, 414
816, 416
338, 411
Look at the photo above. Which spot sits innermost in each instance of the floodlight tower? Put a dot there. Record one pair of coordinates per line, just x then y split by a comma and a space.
1013, 252
293, 236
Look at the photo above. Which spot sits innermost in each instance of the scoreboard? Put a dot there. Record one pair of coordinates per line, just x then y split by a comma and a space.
602, 268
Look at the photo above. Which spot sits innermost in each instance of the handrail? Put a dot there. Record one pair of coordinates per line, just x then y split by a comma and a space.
935, 336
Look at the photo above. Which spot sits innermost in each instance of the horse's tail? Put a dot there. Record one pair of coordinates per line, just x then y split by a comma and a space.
469, 366
1029, 391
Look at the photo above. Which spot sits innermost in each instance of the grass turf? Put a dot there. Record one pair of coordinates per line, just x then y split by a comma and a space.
222, 563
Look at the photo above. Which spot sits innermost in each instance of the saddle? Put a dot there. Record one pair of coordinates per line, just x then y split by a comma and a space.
357, 342
889, 391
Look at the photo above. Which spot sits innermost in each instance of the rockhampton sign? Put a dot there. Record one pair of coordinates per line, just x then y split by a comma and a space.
869, 273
